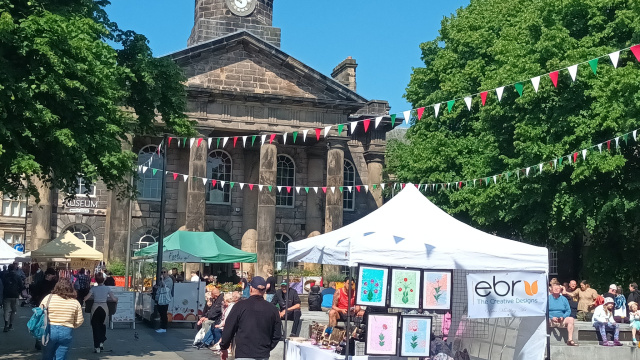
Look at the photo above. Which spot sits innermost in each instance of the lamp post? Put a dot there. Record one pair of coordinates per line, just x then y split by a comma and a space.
162, 210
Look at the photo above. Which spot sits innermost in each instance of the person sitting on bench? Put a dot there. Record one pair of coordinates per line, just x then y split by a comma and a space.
341, 305
289, 307
560, 312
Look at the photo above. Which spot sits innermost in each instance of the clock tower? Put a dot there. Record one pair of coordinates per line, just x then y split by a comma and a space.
217, 18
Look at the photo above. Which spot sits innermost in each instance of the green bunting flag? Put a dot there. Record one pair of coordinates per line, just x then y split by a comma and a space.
340, 127
155, 171
218, 142
594, 65
625, 137
295, 136
184, 142
519, 87
306, 189
450, 104
253, 139
341, 188
375, 186
488, 181
393, 120
270, 187
232, 184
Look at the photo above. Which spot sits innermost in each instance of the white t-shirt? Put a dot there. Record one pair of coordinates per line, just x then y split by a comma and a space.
195, 278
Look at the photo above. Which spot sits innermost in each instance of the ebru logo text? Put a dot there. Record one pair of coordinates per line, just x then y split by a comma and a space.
500, 290
506, 294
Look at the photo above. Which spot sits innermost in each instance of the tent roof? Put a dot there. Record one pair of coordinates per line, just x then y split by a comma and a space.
66, 246
410, 231
7, 253
205, 245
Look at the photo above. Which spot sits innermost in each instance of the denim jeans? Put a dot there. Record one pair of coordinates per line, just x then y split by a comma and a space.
59, 343
602, 327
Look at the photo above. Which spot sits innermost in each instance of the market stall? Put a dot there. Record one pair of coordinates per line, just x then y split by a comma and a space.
9, 255
186, 247
69, 252
418, 258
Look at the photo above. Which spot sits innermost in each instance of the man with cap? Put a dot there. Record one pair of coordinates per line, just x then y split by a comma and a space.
254, 323
289, 306
612, 292
603, 320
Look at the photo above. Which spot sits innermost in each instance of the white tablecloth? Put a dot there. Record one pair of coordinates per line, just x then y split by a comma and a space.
300, 351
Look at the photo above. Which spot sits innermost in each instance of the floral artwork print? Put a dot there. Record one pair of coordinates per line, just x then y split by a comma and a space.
382, 334
405, 288
437, 290
372, 286
416, 336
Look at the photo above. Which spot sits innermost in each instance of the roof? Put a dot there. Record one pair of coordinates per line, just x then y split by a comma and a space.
207, 246
410, 231
66, 246
254, 44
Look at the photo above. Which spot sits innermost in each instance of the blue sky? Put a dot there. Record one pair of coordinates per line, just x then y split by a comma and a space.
382, 35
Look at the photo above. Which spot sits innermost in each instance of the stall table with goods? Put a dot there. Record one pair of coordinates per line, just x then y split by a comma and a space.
67, 253
183, 247
425, 273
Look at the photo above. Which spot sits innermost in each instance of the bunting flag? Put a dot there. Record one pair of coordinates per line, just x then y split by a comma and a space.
468, 100
209, 143
594, 66
407, 116
535, 81
450, 105
614, 56
573, 71
366, 124
519, 88
353, 126
318, 132
235, 141
483, 97
420, 111
193, 140
378, 120
263, 138
393, 120
554, 78
436, 109
499, 92
224, 141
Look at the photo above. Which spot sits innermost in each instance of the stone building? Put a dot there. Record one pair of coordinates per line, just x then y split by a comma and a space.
239, 83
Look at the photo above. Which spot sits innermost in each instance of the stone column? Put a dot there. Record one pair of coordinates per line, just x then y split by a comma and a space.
333, 214
41, 216
265, 244
195, 208
315, 177
117, 227
250, 198
375, 166
249, 242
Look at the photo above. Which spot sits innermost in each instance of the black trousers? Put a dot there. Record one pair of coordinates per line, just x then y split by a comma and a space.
162, 309
81, 295
294, 329
98, 326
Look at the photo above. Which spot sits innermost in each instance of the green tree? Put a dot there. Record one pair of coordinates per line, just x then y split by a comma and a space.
73, 87
491, 43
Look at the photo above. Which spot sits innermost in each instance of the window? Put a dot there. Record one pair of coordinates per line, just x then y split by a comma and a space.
553, 262
13, 238
286, 177
348, 197
219, 168
83, 186
149, 237
150, 184
281, 250
84, 233
14, 207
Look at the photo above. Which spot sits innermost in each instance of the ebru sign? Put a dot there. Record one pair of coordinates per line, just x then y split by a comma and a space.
506, 294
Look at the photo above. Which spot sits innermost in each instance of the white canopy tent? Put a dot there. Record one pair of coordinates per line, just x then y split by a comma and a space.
9, 255
410, 231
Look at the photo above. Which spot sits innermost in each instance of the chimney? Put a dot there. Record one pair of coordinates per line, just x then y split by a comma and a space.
345, 73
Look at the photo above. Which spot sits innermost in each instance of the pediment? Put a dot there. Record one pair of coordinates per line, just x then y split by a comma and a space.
243, 63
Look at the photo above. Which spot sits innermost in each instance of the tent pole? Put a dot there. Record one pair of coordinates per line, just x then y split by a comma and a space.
163, 190
349, 297
286, 317
548, 328
128, 256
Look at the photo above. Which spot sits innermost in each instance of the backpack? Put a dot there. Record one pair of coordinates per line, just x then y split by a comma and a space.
315, 302
38, 324
12, 286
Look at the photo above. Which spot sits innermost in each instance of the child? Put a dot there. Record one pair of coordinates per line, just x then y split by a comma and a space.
634, 319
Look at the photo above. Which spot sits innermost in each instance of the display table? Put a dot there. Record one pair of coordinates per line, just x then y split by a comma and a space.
301, 351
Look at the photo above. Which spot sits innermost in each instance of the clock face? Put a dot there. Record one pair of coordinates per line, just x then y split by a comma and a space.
242, 7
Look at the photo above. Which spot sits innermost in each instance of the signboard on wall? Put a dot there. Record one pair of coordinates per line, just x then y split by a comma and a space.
81, 203
81, 263
506, 294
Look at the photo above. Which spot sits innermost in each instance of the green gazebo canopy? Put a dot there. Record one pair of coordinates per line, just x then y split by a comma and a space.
205, 245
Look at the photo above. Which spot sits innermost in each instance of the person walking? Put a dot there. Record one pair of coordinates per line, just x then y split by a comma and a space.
164, 294
82, 285
100, 311
44, 288
254, 323
65, 314
12, 286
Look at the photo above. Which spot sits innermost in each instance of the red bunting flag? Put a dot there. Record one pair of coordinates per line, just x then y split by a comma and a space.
460, 185
271, 138
636, 51
250, 186
417, 186
483, 96
235, 140
366, 124
169, 141
609, 145
199, 142
318, 131
289, 189
358, 188
403, 185
575, 157
175, 176
554, 78
214, 182
420, 112
324, 189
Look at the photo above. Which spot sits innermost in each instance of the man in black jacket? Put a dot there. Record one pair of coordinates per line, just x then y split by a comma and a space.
635, 294
13, 285
254, 323
289, 306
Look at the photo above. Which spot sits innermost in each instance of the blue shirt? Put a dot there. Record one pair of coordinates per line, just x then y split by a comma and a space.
327, 297
559, 307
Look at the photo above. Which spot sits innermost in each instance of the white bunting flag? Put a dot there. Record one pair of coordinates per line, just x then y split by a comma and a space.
366, 188
468, 100
263, 138
304, 135
527, 171
569, 157
614, 56
315, 188
600, 147
326, 130
536, 82
144, 169
407, 116
635, 132
617, 140
298, 189
244, 141
209, 143
191, 142
260, 187
584, 154
382, 186
540, 166
555, 163
224, 142
378, 119
204, 181
349, 187
279, 188
474, 182
284, 138
241, 186
436, 109
333, 189
495, 179
573, 71
353, 126
499, 92
222, 184
185, 177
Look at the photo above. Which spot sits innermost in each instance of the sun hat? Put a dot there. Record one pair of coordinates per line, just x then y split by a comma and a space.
632, 303
608, 301
613, 287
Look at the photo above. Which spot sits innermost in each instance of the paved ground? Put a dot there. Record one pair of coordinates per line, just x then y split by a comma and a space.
121, 343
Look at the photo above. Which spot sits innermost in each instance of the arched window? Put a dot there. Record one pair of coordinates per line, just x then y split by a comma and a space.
150, 184
82, 232
282, 240
219, 169
286, 177
146, 238
348, 197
